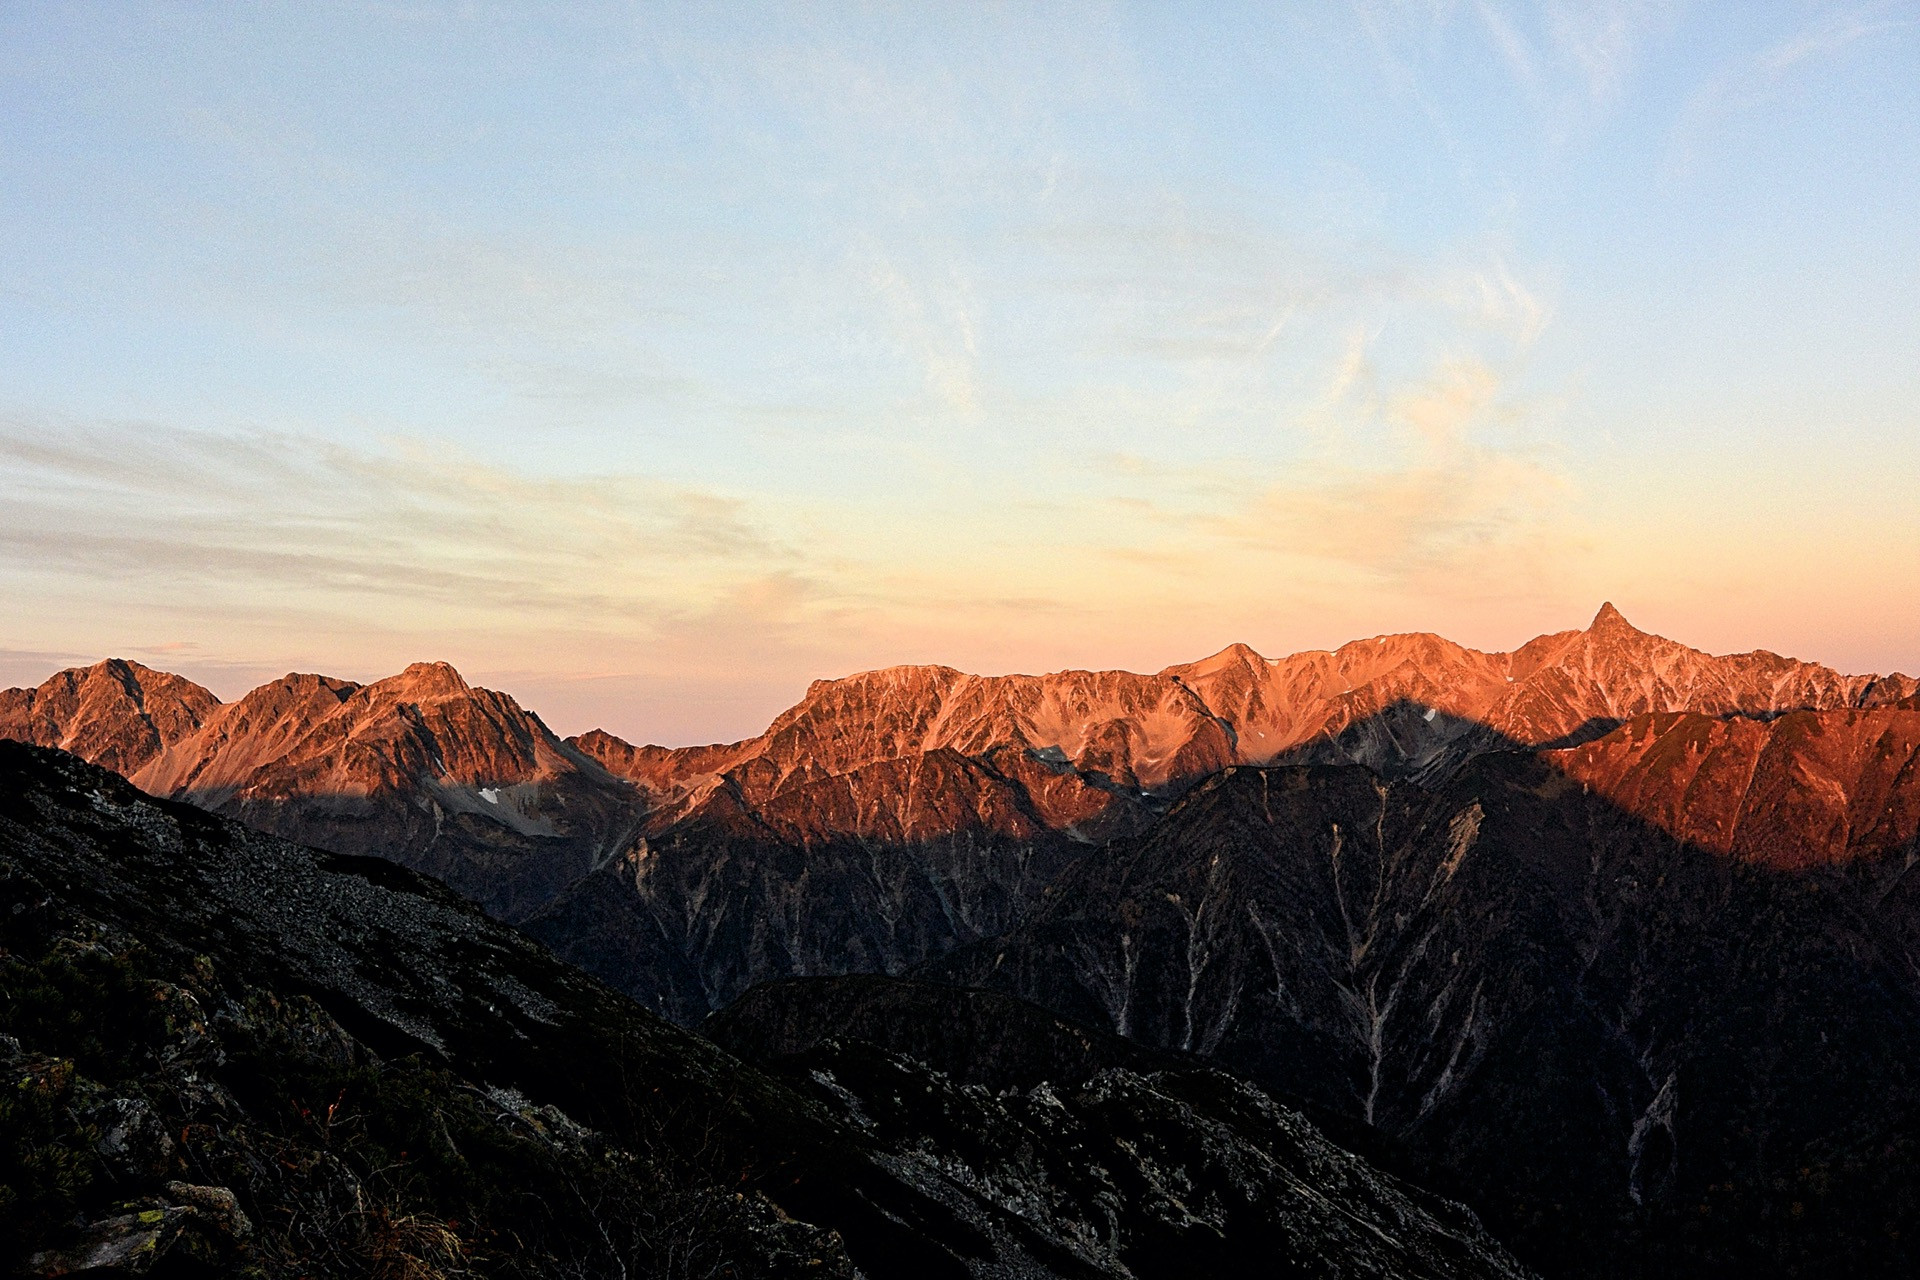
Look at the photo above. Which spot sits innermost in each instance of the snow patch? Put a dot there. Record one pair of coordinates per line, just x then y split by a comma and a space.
490, 794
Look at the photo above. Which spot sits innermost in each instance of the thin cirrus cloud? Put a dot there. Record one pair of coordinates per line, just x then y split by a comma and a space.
1747, 81
1589, 45
1442, 506
234, 516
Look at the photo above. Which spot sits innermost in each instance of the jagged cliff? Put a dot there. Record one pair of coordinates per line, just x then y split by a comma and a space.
1403, 704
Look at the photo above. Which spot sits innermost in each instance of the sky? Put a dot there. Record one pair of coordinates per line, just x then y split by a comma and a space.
650, 361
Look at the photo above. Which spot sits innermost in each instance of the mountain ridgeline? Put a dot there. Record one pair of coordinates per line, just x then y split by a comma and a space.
892, 816
1613, 938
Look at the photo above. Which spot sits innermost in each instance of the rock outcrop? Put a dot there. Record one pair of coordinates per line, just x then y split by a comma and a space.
1418, 705
895, 815
1802, 789
1083, 749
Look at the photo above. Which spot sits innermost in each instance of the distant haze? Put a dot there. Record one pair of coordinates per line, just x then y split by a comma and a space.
649, 362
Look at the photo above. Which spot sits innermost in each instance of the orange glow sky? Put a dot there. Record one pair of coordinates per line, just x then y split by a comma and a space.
651, 366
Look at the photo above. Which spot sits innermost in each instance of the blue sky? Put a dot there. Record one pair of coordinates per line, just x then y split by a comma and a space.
648, 361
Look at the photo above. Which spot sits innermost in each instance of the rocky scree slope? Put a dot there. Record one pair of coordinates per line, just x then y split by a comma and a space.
1148, 1160
1631, 1052
235, 1055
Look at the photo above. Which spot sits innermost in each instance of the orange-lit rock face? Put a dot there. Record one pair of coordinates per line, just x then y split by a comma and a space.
910, 754
421, 767
1056, 751
1546, 690
115, 713
1810, 787
1078, 748
306, 734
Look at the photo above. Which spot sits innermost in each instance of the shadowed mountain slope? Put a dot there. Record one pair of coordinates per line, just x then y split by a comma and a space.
465, 784
1619, 932
896, 815
972, 1035
1637, 1052
231, 1055
1036, 1087
757, 873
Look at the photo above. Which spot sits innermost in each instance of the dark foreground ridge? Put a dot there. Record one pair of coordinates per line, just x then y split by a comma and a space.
228, 1054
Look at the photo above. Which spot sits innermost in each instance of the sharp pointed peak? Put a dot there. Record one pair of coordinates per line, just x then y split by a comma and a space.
1610, 619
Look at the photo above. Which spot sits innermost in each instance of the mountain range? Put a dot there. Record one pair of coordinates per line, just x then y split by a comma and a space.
1612, 938
930, 808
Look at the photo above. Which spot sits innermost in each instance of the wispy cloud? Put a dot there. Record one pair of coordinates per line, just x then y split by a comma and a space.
1570, 58
1600, 39
1836, 32
936, 326
284, 515
1440, 498
1751, 80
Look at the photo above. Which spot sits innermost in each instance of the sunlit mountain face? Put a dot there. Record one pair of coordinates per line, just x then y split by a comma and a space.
1610, 938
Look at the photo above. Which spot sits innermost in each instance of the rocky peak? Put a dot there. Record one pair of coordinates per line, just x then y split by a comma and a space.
117, 713
1236, 657
424, 680
1088, 752
1610, 621
421, 767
